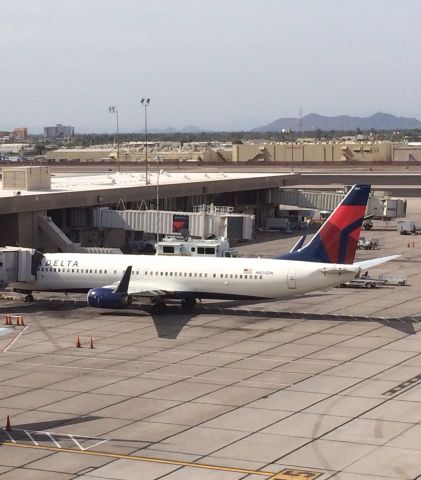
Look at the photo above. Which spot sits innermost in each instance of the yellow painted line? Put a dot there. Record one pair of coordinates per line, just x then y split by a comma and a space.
138, 458
293, 474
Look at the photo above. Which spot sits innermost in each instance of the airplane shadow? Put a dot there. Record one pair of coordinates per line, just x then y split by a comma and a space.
19, 434
28, 432
170, 321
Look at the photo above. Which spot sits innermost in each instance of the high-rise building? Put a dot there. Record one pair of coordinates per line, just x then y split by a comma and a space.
59, 131
20, 133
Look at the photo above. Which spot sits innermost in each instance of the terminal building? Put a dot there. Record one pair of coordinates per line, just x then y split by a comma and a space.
269, 153
73, 212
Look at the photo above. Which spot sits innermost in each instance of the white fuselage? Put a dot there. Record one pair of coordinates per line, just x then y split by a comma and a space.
201, 277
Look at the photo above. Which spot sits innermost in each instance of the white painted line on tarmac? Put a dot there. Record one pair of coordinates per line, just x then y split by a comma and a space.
10, 436
53, 440
31, 437
16, 338
95, 444
76, 442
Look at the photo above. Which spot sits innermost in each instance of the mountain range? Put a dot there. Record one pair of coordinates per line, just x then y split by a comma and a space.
314, 121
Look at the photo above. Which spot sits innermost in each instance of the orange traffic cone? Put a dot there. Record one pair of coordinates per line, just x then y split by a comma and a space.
78, 344
8, 427
18, 321
92, 343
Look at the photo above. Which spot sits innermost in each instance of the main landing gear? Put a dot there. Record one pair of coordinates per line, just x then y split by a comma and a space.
29, 298
188, 302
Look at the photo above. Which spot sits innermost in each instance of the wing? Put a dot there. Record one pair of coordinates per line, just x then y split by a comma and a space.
138, 289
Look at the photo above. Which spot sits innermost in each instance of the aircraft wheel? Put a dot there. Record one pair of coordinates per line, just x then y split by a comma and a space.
160, 307
369, 285
188, 302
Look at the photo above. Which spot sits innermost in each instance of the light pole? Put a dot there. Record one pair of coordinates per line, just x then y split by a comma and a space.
158, 172
115, 110
145, 102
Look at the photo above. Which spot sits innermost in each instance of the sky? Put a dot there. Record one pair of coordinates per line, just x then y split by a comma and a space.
213, 64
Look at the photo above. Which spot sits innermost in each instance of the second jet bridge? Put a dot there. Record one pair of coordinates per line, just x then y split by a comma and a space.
380, 205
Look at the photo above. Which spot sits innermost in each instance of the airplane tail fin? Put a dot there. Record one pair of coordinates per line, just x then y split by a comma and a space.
337, 239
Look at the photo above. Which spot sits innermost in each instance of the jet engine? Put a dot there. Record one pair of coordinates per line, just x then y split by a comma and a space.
108, 298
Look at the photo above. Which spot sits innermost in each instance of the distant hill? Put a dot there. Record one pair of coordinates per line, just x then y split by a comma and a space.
187, 129
313, 121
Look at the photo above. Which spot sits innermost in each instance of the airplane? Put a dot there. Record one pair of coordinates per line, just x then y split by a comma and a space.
115, 281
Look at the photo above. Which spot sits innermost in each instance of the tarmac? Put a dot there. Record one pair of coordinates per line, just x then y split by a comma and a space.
326, 386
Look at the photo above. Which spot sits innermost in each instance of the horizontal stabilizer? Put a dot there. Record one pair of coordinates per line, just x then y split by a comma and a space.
365, 264
339, 270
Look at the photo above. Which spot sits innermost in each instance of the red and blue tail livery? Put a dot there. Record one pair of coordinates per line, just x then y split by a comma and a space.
337, 239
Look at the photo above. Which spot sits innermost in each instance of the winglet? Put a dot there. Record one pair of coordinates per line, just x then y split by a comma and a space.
299, 244
123, 286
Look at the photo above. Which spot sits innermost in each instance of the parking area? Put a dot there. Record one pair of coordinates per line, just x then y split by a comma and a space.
327, 386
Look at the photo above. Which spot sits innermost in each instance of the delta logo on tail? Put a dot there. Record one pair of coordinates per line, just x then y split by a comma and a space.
337, 239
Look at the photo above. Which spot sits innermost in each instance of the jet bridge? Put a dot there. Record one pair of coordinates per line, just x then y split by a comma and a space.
381, 206
18, 264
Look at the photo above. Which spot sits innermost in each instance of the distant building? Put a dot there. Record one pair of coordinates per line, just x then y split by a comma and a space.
20, 133
59, 131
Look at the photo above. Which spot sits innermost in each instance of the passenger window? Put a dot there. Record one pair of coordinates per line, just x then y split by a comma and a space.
105, 271
175, 274
245, 276
236, 275
96, 271
261, 277
170, 274
200, 274
206, 274
166, 274
195, 274
214, 275
241, 276
222, 275
226, 275
90, 271
190, 274
231, 275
